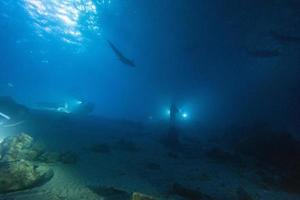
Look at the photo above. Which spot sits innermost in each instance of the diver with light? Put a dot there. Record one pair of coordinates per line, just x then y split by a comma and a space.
171, 139
173, 114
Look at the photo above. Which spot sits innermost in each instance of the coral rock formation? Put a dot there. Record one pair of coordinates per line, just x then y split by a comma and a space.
17, 171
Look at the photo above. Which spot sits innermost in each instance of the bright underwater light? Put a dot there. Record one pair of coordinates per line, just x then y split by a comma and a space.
168, 112
65, 18
4, 116
1, 136
70, 106
181, 115
78, 102
184, 115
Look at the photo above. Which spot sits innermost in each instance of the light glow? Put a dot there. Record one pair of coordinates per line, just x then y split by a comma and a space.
4, 116
185, 115
78, 102
168, 112
1, 136
67, 19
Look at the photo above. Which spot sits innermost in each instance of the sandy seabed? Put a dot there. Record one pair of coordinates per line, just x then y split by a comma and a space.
145, 165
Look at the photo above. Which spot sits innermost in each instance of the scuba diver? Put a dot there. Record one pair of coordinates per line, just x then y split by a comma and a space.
171, 140
173, 113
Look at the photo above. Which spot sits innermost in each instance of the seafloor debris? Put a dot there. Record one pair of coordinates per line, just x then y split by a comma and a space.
17, 171
220, 155
112, 193
127, 145
140, 196
109, 192
242, 194
153, 166
100, 148
68, 157
191, 194
49, 157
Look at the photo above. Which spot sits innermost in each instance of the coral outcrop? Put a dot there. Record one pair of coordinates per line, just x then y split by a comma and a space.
20, 175
17, 168
19, 147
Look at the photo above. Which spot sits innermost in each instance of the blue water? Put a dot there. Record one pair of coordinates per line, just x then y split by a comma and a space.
222, 63
194, 52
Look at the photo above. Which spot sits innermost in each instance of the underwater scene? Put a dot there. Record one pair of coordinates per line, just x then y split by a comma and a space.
149, 100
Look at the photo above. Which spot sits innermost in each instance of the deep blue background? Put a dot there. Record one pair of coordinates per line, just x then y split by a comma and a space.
193, 52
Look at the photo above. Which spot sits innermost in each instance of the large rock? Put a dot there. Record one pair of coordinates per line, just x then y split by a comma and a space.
20, 175
17, 169
19, 147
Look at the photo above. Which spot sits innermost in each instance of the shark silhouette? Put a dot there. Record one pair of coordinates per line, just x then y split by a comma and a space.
285, 38
264, 53
120, 55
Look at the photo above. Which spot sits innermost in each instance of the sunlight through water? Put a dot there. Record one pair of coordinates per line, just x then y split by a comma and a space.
67, 19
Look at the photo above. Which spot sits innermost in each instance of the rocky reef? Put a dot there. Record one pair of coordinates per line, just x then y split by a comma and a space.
18, 171
19, 147
20, 175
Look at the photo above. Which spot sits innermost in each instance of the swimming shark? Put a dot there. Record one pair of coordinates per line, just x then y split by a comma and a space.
120, 55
